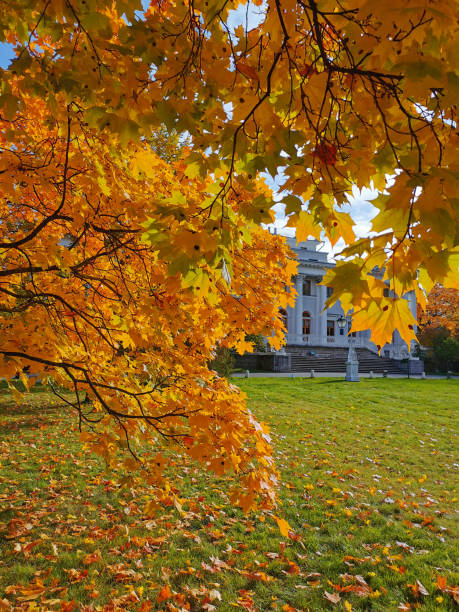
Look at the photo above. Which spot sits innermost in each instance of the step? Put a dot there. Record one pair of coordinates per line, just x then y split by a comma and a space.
301, 364
333, 359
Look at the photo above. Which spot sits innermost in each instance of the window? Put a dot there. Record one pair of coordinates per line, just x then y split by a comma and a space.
307, 287
386, 292
330, 328
329, 291
306, 323
283, 314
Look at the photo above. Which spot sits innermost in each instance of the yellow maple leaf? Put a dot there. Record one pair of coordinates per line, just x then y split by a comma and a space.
383, 318
305, 226
284, 527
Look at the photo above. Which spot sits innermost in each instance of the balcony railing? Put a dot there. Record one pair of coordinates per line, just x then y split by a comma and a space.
316, 340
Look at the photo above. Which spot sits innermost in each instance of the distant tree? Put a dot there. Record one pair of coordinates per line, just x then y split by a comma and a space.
258, 342
445, 354
223, 362
429, 336
442, 311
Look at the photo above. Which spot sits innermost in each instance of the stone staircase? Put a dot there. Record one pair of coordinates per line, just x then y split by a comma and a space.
327, 359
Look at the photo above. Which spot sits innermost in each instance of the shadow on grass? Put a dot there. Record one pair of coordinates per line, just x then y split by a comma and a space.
25, 423
17, 410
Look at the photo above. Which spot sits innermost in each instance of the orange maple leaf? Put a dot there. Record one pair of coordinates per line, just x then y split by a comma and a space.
92, 558
165, 593
247, 70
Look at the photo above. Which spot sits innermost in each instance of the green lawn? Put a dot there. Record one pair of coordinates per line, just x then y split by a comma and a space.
369, 483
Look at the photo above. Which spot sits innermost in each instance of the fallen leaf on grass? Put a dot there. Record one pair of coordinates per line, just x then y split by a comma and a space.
245, 600
165, 593
334, 598
214, 594
360, 591
454, 592
348, 558
359, 588
124, 574
441, 582
51, 602
418, 588
405, 546
293, 568
217, 565
442, 585
259, 576
400, 569
12, 589
92, 558
156, 542
272, 555
32, 591
26, 548
284, 527
75, 575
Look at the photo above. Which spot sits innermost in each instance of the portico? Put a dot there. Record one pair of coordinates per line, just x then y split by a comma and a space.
308, 324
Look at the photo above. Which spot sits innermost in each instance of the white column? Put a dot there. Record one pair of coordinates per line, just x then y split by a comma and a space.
290, 324
299, 310
322, 331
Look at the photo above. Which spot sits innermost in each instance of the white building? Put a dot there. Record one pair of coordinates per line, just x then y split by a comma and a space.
309, 325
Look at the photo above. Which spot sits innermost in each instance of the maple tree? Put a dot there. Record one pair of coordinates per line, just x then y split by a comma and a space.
442, 311
438, 331
121, 271
91, 304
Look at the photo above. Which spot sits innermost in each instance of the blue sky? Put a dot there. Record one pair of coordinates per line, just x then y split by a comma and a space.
6, 54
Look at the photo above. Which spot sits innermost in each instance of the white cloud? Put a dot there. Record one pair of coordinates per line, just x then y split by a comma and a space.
358, 205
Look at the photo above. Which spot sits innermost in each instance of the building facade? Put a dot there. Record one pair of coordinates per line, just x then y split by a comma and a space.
308, 324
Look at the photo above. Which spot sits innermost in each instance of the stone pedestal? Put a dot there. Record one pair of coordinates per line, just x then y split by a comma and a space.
415, 366
352, 366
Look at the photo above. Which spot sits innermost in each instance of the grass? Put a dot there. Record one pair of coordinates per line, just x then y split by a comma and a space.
368, 479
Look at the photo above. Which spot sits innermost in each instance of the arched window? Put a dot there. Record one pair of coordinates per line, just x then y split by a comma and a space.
283, 314
306, 323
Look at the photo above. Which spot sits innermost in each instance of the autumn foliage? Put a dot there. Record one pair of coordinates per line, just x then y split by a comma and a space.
88, 302
121, 271
442, 311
